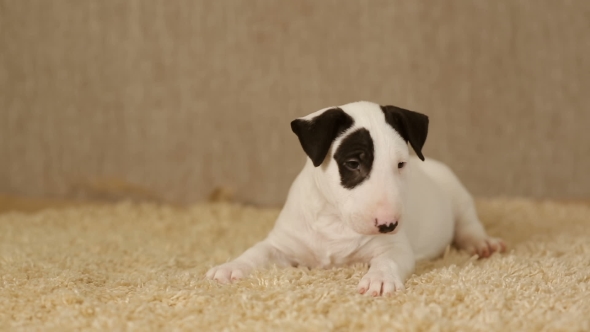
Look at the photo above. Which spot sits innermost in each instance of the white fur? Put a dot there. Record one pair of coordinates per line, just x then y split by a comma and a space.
323, 224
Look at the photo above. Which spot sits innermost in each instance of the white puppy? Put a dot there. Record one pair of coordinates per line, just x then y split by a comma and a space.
361, 197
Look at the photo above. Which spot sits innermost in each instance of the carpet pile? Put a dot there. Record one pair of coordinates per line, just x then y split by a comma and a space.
134, 266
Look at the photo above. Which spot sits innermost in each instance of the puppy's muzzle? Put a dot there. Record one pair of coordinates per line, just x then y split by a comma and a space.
387, 227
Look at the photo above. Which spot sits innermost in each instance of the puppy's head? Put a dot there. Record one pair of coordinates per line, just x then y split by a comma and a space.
359, 152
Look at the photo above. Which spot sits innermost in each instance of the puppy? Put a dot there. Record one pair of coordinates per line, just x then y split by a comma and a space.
361, 197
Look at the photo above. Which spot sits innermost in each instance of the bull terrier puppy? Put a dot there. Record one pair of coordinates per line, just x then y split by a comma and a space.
361, 197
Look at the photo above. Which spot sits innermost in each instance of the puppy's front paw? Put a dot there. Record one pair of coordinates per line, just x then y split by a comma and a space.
376, 283
228, 272
485, 247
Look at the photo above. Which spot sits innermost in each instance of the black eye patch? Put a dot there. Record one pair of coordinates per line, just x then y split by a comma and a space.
355, 157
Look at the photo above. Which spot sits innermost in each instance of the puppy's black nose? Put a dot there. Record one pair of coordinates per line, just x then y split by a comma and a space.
387, 228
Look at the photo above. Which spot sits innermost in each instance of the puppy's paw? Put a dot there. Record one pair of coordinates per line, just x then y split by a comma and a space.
484, 247
379, 283
228, 272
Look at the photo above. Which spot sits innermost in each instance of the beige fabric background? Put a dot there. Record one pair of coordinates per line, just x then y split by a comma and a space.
179, 97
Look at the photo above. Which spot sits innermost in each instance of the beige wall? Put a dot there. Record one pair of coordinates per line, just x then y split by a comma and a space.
182, 96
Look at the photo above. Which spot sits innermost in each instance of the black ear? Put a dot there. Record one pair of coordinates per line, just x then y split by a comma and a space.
316, 135
412, 126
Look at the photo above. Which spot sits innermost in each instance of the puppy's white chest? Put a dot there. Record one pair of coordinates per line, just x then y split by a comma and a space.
329, 245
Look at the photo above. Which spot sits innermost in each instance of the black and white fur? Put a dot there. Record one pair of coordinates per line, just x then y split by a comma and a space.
361, 197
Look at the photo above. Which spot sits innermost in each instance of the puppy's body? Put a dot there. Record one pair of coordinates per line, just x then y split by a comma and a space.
311, 235
362, 198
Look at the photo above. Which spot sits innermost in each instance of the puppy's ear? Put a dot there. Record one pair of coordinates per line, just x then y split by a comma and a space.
412, 126
317, 134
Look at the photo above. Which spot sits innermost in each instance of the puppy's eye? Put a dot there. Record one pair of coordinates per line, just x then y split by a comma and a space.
401, 165
352, 164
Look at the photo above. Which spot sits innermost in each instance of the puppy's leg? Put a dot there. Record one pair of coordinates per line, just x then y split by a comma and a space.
469, 232
260, 255
389, 269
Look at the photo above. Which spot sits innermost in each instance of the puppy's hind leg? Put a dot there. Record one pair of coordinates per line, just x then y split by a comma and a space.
470, 234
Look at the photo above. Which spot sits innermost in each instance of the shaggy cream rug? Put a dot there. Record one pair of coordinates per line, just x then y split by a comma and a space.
140, 266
